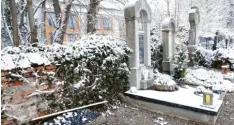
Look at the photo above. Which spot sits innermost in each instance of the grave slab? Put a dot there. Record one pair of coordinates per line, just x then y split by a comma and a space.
182, 103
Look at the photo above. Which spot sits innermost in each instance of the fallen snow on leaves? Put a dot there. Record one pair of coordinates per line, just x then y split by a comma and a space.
218, 54
207, 77
163, 79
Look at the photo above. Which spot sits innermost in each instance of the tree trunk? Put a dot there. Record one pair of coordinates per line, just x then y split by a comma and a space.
43, 8
168, 8
92, 15
7, 13
14, 23
63, 25
31, 21
57, 11
22, 3
178, 14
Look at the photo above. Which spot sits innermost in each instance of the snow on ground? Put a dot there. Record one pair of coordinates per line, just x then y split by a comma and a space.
207, 77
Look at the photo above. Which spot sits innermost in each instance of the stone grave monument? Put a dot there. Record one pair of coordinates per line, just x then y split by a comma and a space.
138, 17
168, 37
194, 19
217, 39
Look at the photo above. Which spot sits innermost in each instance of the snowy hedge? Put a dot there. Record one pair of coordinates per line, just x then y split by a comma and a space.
94, 68
215, 59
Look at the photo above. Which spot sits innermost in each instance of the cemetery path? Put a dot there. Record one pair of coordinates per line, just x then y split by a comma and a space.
128, 115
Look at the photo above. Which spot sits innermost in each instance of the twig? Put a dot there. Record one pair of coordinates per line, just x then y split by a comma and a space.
38, 6
39, 92
8, 30
69, 110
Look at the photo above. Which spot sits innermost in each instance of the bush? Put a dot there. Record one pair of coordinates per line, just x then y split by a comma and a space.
94, 69
180, 61
199, 58
223, 57
215, 59
156, 52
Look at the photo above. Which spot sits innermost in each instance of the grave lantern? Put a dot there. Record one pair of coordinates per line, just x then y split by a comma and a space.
224, 69
138, 17
208, 97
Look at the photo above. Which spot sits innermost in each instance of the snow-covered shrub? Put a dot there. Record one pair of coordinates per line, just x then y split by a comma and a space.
204, 57
180, 61
182, 34
156, 51
164, 82
215, 59
223, 57
199, 58
94, 68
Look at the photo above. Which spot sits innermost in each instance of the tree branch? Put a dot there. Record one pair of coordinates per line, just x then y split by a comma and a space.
38, 6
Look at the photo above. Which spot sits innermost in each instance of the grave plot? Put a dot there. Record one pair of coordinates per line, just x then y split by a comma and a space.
160, 92
181, 103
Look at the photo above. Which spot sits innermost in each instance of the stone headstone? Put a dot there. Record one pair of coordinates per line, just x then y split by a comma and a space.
168, 33
227, 43
138, 17
216, 40
194, 20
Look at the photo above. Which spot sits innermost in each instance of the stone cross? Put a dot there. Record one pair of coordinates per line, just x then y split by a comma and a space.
168, 33
194, 20
138, 17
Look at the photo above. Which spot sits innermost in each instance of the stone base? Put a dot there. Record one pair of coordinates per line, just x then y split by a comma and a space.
181, 103
145, 84
136, 77
191, 59
191, 50
167, 67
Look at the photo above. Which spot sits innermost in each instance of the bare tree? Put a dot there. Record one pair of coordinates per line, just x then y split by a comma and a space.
57, 11
64, 16
14, 23
177, 12
168, 7
92, 15
43, 8
22, 14
31, 20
